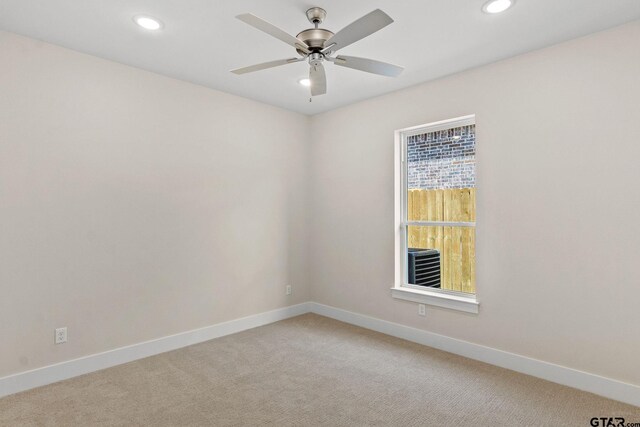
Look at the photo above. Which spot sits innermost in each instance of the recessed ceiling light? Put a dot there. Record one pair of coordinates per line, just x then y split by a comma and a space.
305, 82
497, 6
147, 22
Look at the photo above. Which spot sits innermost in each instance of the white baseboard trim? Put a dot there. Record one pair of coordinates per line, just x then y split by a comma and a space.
72, 368
606, 387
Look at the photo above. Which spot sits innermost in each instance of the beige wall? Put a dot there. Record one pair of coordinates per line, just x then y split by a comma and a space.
558, 240
134, 206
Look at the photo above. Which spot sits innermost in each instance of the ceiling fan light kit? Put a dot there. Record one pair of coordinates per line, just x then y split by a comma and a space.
316, 45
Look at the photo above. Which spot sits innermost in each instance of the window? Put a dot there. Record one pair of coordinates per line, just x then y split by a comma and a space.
436, 214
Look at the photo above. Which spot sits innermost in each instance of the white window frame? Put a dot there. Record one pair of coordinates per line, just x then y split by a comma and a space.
401, 289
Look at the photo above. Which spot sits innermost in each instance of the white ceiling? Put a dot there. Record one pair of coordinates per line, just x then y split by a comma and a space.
202, 40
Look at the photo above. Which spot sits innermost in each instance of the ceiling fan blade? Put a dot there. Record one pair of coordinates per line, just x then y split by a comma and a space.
368, 65
359, 29
272, 30
318, 79
266, 65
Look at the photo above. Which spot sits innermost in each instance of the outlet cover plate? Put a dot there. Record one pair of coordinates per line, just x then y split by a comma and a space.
61, 335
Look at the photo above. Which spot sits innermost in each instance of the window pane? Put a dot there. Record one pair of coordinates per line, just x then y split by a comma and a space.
441, 175
442, 257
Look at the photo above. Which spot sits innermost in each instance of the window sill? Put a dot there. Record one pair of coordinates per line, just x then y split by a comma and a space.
453, 302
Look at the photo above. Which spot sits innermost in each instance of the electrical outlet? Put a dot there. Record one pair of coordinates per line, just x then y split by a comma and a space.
422, 310
288, 290
61, 335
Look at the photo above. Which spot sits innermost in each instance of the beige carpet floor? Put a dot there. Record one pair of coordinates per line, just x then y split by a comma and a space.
307, 371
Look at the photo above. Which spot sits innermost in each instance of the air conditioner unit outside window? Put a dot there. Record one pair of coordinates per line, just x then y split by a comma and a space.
424, 267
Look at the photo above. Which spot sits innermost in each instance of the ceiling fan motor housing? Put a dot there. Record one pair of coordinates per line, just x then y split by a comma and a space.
314, 38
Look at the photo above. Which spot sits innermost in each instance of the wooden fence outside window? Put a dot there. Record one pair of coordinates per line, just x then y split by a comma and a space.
455, 244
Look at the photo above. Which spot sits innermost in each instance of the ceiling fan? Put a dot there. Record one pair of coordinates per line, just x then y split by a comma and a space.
317, 45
